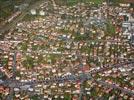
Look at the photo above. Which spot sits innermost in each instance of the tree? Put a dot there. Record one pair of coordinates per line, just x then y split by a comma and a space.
110, 28
28, 62
24, 46
35, 97
34, 47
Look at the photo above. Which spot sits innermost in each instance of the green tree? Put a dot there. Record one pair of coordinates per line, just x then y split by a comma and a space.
28, 62
24, 46
35, 97
110, 29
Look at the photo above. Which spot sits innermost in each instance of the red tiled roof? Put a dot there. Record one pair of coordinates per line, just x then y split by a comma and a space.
129, 1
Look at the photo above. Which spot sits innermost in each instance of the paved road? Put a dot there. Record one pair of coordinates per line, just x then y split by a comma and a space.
20, 17
82, 88
62, 53
71, 78
109, 66
14, 65
115, 87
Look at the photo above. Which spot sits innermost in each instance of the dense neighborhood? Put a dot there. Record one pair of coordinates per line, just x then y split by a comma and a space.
69, 52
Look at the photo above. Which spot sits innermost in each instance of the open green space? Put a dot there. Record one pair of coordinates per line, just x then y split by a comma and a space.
94, 1
110, 29
72, 2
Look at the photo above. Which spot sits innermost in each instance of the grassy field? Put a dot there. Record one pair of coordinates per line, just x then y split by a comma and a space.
86, 1
72, 2
95, 1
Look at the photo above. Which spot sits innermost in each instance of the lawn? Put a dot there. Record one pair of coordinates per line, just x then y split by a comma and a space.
73, 2
94, 1
110, 29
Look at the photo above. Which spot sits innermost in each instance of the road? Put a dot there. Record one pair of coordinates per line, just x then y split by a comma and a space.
71, 78
12, 25
64, 53
82, 88
107, 67
126, 91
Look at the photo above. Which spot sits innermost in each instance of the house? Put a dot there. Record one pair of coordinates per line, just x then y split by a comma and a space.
126, 3
128, 27
129, 1
42, 13
33, 11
